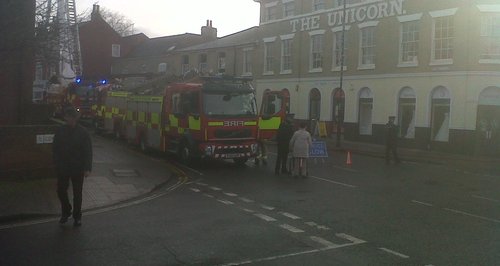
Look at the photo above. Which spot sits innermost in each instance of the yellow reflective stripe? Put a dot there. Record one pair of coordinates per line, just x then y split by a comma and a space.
180, 130
174, 122
155, 118
157, 99
194, 124
142, 117
118, 93
108, 115
272, 123
211, 124
250, 123
115, 110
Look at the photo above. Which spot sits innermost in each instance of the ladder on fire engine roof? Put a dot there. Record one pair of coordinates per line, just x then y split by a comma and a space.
75, 38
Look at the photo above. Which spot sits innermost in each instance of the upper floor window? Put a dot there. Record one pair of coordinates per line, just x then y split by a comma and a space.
115, 50
162, 67
268, 57
286, 56
316, 62
318, 5
222, 62
338, 53
367, 46
443, 36
409, 42
490, 38
247, 62
288, 8
271, 11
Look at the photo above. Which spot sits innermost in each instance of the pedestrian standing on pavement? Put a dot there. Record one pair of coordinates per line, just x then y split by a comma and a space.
72, 153
391, 141
283, 136
299, 145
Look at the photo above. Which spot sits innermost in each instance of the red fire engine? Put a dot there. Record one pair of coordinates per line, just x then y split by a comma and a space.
212, 118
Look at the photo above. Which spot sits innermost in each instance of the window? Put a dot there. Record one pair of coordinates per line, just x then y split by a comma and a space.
406, 114
318, 5
203, 63
314, 104
247, 62
365, 111
162, 67
185, 64
316, 52
222, 62
440, 114
286, 56
115, 50
367, 48
337, 49
443, 38
409, 42
268, 58
271, 11
288, 8
490, 38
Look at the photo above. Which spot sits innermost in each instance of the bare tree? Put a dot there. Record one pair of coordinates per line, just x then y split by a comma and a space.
119, 22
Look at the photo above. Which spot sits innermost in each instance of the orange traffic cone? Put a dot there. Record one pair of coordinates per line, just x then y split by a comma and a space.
349, 162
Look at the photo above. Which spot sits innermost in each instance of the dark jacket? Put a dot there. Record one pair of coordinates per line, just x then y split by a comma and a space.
284, 134
391, 133
72, 150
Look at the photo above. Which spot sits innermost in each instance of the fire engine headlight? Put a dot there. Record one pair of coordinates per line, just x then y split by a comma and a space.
209, 150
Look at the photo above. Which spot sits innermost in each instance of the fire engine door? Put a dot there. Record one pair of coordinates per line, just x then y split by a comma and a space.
275, 106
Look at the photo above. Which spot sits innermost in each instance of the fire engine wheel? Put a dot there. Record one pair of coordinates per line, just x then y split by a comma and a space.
240, 161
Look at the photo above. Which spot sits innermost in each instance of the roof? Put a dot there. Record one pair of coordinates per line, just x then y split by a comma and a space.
248, 36
164, 45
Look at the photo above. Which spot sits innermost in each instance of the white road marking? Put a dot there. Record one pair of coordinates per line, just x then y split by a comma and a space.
246, 200
216, 188
230, 194
321, 227
423, 203
485, 198
208, 195
201, 184
395, 253
227, 202
291, 228
473, 215
354, 240
334, 182
269, 208
248, 210
265, 217
289, 215
194, 189
323, 241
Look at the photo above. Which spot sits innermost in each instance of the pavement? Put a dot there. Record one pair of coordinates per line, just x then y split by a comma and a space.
122, 174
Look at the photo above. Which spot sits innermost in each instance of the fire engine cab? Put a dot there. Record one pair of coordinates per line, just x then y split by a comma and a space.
211, 118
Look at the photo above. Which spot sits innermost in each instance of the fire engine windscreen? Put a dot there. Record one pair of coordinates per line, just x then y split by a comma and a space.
221, 103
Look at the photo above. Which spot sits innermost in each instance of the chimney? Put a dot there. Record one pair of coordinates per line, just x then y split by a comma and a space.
208, 32
95, 12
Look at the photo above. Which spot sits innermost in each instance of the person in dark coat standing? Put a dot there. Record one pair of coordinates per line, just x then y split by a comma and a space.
391, 141
283, 136
72, 152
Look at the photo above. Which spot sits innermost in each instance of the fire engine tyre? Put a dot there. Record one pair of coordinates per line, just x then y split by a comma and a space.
240, 161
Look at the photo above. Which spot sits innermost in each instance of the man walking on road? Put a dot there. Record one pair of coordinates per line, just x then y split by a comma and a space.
391, 141
72, 153
283, 136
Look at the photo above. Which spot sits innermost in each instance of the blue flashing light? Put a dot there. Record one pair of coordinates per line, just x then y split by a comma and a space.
78, 80
103, 81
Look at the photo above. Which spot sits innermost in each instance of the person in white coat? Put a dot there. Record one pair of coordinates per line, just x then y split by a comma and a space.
299, 145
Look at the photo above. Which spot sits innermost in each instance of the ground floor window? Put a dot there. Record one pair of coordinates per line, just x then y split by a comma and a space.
440, 115
365, 111
406, 114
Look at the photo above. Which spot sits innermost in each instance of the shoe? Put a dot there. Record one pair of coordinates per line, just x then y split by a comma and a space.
63, 219
77, 223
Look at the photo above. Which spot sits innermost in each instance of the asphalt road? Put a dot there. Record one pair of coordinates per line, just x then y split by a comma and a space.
222, 214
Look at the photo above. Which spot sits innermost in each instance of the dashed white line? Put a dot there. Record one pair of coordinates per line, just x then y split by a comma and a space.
269, 208
472, 215
201, 184
227, 202
485, 198
265, 217
194, 189
395, 253
216, 188
323, 241
354, 240
248, 210
422, 203
334, 182
230, 194
246, 200
208, 195
291, 228
289, 215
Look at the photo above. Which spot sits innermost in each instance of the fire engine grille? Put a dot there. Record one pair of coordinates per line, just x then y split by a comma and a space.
232, 151
233, 134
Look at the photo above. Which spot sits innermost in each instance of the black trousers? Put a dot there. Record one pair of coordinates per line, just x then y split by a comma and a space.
281, 160
62, 193
391, 148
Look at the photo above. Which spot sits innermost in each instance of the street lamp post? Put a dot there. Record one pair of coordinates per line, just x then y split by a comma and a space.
340, 120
